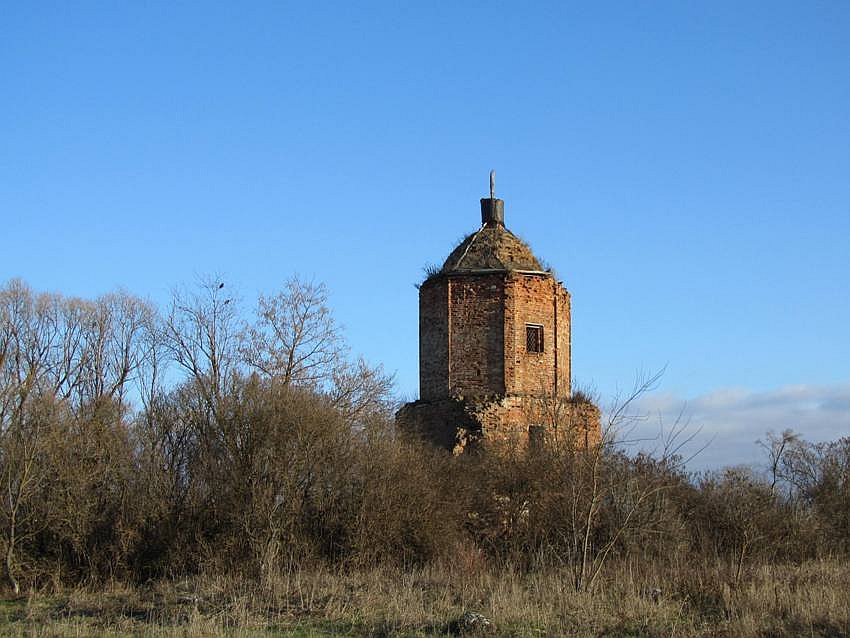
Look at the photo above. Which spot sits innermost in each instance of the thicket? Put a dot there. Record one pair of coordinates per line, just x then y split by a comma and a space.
137, 445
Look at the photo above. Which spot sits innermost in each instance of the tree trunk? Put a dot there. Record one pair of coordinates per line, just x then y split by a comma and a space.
8, 568
740, 567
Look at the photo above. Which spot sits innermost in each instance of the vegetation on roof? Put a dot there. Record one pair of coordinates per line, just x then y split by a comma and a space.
488, 248
492, 247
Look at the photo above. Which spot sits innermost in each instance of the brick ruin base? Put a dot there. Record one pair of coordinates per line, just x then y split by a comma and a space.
458, 424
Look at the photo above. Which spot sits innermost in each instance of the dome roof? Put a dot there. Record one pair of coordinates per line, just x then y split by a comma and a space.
492, 247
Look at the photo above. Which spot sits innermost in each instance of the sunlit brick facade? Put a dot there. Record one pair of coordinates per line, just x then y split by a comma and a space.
494, 347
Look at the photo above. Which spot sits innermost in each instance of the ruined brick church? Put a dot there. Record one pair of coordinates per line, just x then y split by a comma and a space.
494, 347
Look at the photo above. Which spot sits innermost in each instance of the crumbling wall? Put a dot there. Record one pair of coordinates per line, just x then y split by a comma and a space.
459, 424
478, 382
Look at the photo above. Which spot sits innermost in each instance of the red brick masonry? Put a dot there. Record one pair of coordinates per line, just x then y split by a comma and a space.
477, 381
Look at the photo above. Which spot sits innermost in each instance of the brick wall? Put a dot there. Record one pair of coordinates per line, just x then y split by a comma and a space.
540, 300
472, 345
454, 424
472, 336
433, 339
437, 422
476, 335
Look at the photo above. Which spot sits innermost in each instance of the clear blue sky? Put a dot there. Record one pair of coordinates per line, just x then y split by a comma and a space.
685, 167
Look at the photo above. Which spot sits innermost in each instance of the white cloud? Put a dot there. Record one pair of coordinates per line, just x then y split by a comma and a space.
731, 419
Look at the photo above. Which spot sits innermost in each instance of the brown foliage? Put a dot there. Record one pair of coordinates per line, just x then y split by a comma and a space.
273, 450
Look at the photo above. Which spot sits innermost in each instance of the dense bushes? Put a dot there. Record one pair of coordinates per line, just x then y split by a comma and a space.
272, 449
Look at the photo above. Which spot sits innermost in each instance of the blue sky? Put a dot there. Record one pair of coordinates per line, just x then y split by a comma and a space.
685, 167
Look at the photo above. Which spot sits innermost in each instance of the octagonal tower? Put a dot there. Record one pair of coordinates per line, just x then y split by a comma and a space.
494, 345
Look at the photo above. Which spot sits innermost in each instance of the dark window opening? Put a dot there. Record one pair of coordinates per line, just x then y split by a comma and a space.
536, 437
533, 338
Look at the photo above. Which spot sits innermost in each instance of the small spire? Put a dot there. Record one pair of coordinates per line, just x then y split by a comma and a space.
492, 210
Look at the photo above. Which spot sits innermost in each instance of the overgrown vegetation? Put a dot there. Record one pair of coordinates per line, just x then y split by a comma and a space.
219, 471
430, 272
805, 600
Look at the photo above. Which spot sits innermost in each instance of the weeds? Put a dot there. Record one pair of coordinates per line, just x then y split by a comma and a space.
811, 599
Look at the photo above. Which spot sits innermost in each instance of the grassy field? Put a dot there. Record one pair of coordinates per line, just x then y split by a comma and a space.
808, 600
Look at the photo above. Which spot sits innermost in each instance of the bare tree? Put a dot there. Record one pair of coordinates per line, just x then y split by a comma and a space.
28, 334
296, 341
819, 474
359, 390
31, 346
25, 467
202, 335
119, 324
295, 338
776, 446
596, 481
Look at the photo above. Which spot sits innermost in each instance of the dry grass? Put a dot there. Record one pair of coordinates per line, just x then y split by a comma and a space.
808, 600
